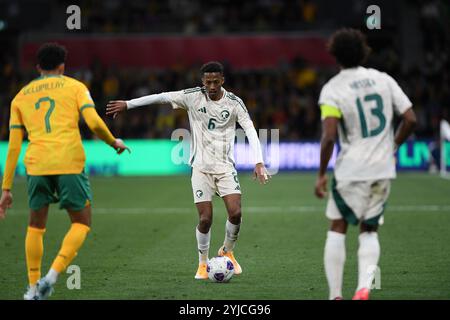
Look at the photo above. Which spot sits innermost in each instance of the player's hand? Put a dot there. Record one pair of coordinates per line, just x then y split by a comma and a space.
120, 146
116, 107
261, 174
5, 202
321, 186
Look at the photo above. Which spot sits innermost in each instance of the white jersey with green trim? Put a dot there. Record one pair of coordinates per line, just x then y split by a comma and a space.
213, 127
367, 100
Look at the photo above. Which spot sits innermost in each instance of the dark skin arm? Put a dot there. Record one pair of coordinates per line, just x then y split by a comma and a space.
329, 136
406, 127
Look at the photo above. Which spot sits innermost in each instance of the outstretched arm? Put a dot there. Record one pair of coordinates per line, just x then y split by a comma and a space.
97, 126
175, 98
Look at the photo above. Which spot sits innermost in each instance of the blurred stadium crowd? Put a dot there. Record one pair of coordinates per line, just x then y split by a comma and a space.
284, 96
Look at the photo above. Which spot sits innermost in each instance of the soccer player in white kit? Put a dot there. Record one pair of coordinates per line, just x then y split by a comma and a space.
358, 105
213, 113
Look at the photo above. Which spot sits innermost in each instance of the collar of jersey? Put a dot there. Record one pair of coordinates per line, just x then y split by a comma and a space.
48, 76
350, 69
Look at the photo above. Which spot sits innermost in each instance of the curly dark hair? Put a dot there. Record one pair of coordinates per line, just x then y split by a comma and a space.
349, 47
51, 55
212, 66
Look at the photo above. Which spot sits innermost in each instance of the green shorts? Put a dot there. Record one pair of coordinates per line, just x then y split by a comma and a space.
72, 191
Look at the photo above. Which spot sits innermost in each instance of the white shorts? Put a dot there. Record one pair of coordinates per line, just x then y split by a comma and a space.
205, 185
358, 201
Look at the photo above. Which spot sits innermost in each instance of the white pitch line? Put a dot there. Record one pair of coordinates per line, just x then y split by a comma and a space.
251, 209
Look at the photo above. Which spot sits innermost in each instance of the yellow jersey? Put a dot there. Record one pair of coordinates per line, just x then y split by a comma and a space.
49, 109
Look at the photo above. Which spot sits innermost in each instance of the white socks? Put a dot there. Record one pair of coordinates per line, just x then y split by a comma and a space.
203, 240
334, 259
231, 235
52, 276
368, 255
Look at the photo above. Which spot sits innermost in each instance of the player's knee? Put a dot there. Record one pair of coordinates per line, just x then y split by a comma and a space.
234, 215
81, 217
367, 228
339, 226
38, 219
204, 224
36, 224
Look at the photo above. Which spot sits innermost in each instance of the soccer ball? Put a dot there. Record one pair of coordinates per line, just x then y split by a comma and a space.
220, 269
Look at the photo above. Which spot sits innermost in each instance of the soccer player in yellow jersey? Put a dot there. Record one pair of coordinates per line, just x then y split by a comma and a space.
48, 109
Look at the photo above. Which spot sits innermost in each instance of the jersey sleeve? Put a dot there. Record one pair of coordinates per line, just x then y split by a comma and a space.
329, 103
399, 98
14, 147
97, 125
243, 117
84, 99
178, 99
329, 97
244, 120
15, 120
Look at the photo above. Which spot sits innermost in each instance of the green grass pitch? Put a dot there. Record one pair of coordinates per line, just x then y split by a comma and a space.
142, 243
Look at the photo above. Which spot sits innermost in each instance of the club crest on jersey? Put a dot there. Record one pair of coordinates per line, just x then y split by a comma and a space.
224, 114
199, 193
202, 110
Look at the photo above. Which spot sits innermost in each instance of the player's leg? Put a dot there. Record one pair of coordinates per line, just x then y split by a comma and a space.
233, 223
34, 249
334, 257
232, 227
369, 246
368, 256
203, 190
74, 239
229, 189
203, 236
75, 196
40, 195
340, 214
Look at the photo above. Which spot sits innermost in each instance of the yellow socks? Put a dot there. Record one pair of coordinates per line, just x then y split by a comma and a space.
70, 246
34, 249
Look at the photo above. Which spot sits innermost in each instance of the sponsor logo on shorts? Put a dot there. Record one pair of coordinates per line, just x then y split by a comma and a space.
199, 193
